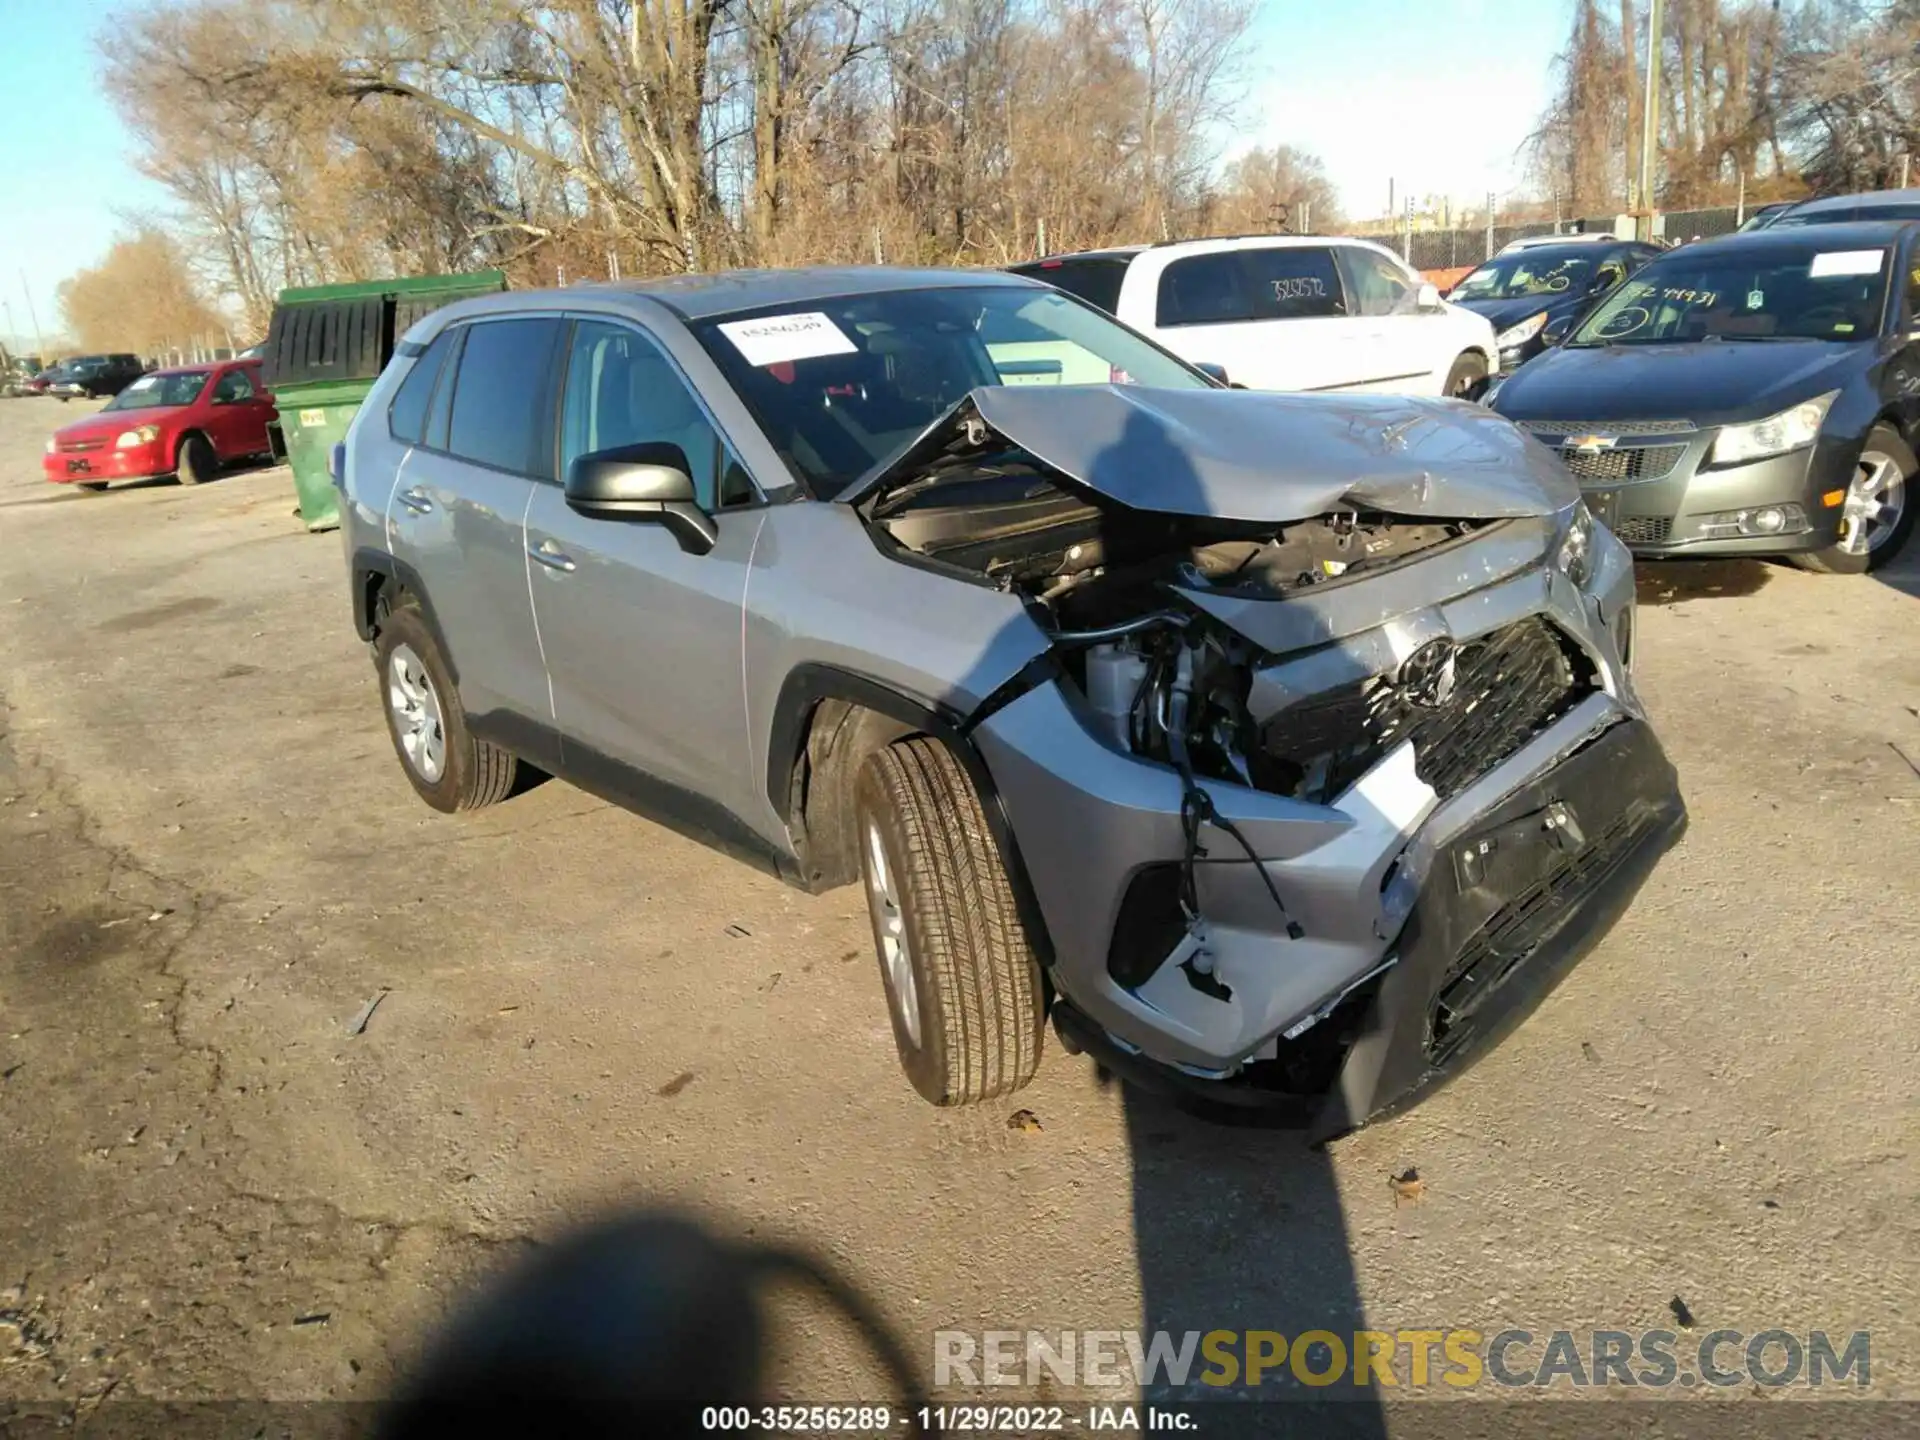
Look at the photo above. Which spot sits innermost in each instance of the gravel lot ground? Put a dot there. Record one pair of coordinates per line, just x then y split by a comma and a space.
210, 862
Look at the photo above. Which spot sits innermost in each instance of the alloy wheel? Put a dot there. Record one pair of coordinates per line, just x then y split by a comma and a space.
416, 714
1875, 503
891, 927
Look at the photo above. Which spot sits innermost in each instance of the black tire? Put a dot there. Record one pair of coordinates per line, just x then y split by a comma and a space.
1467, 373
976, 1007
197, 462
92, 487
471, 773
1834, 560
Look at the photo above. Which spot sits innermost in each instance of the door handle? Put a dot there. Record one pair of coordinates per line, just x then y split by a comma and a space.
416, 500
551, 555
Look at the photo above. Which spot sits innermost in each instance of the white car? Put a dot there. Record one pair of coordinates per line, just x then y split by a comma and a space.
1286, 312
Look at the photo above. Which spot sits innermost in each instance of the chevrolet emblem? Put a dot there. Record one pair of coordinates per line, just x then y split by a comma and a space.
1590, 444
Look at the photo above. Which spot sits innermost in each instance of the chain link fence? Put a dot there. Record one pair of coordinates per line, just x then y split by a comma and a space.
1465, 246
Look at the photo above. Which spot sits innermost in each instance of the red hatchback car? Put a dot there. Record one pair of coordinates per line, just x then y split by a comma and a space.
186, 422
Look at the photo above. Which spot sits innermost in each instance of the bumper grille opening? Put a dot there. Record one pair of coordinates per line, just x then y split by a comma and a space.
1508, 686
1510, 938
1643, 529
1639, 462
1149, 925
70, 447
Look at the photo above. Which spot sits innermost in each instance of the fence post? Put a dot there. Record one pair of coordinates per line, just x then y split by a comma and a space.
1489, 254
1406, 233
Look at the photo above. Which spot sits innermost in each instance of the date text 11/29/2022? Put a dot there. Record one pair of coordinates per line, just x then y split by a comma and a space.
943, 1419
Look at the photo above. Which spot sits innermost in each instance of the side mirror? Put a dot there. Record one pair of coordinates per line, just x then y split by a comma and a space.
1215, 373
1427, 297
1556, 330
650, 482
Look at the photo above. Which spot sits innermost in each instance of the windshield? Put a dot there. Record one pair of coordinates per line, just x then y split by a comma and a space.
150, 392
1799, 292
839, 385
1530, 272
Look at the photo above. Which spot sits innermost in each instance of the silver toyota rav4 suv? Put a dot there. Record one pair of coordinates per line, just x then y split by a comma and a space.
1281, 748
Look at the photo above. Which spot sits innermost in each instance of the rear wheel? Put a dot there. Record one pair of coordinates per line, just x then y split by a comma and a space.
1466, 375
1878, 518
447, 767
962, 979
197, 461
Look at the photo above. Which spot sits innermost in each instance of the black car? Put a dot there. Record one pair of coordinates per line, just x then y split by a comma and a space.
96, 376
1753, 395
1524, 293
1845, 209
1763, 218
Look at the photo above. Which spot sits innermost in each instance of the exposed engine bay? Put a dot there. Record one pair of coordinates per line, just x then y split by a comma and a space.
1162, 679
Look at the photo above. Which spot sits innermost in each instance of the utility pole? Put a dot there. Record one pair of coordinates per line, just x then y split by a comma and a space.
1650, 115
1903, 170
1489, 254
39, 340
1740, 205
1406, 234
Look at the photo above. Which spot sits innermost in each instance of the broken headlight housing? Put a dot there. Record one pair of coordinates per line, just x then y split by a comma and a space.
1576, 546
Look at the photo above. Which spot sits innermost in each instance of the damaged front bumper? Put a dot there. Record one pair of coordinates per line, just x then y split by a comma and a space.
1418, 916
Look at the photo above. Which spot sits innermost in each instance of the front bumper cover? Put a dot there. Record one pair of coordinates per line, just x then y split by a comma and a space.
1488, 938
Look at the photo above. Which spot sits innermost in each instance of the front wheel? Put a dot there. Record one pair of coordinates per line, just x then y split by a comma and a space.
92, 487
197, 461
961, 975
1466, 376
1877, 518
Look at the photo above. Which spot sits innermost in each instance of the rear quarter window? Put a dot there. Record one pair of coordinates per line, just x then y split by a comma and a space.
1203, 290
1096, 281
407, 417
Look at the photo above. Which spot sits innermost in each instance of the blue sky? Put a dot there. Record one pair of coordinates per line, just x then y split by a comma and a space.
1436, 95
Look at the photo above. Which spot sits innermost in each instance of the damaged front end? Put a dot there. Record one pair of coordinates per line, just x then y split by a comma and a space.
1333, 764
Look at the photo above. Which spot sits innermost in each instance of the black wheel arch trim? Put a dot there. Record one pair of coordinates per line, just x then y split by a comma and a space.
807, 685
368, 563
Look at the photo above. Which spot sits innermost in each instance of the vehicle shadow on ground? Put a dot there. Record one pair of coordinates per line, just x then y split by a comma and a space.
1669, 582
1239, 1227
1903, 574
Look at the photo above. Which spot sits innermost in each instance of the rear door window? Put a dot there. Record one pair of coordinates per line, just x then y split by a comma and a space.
1094, 280
502, 411
1294, 283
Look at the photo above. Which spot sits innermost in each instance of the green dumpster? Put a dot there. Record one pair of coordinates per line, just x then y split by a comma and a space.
325, 348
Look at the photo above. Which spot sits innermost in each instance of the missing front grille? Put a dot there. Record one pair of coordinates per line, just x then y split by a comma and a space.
1506, 687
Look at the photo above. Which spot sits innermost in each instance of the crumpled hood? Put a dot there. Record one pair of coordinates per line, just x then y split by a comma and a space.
1255, 456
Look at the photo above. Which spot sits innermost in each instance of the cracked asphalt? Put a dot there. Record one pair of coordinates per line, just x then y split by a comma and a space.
210, 864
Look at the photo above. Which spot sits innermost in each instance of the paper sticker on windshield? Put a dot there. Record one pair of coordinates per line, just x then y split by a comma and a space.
1846, 262
779, 338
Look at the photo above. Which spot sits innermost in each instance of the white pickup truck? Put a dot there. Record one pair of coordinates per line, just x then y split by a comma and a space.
1286, 312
